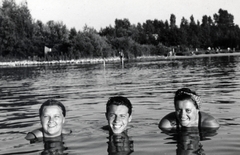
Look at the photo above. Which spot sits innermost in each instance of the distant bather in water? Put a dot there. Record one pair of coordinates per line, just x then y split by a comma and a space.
187, 113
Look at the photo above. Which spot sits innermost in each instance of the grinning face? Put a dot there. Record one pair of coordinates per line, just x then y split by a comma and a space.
118, 118
52, 121
187, 113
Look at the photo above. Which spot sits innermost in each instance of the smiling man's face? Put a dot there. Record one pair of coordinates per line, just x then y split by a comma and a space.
118, 118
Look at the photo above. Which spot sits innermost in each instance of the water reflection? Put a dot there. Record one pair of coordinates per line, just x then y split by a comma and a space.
150, 84
120, 144
189, 140
52, 145
188, 143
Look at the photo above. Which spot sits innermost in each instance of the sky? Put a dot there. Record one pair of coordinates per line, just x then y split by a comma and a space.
102, 13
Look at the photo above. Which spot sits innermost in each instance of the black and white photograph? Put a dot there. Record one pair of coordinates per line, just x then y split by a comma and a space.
119, 77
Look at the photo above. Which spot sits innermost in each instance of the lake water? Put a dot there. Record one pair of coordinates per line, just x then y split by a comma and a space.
150, 86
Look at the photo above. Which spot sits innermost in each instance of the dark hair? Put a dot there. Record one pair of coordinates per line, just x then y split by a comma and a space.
187, 94
52, 102
119, 100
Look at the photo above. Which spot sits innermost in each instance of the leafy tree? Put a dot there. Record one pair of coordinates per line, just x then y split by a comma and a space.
224, 19
193, 34
172, 21
121, 27
22, 37
16, 30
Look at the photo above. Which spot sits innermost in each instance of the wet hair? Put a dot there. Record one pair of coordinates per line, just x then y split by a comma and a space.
187, 94
119, 100
52, 102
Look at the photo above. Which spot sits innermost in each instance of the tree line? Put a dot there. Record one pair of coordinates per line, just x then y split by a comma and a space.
22, 37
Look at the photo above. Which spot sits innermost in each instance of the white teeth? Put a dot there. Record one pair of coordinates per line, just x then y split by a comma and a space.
51, 125
117, 126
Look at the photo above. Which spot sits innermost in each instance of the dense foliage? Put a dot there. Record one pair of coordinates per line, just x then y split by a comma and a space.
22, 37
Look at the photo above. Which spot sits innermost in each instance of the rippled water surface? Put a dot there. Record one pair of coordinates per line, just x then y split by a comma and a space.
150, 86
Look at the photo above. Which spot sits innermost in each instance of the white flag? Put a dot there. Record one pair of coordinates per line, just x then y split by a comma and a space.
47, 50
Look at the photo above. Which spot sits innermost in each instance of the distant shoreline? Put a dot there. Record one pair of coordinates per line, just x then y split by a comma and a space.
101, 60
207, 55
53, 62
188, 56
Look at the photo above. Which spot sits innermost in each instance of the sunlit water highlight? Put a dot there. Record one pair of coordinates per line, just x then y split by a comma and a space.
150, 85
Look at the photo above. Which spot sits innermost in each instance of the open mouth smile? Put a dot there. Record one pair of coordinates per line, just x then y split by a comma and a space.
52, 125
117, 126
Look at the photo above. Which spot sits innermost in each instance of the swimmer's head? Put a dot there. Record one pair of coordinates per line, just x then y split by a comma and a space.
186, 94
52, 102
119, 100
52, 117
119, 110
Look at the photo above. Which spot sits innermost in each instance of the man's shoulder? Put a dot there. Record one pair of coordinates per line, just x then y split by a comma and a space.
106, 127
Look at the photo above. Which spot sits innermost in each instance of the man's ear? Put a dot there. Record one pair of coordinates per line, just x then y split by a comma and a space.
63, 120
198, 110
106, 115
130, 118
40, 120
